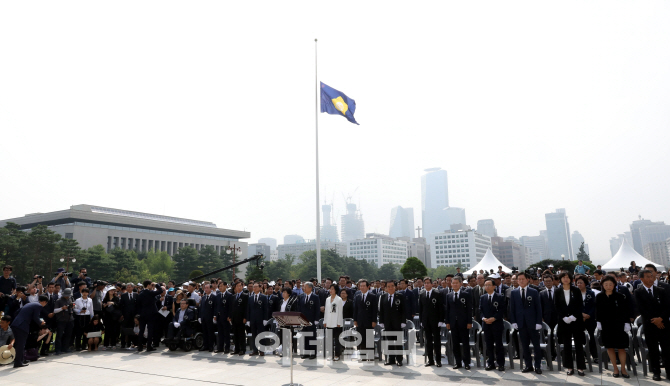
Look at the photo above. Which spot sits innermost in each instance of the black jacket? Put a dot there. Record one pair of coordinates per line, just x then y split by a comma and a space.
392, 315
146, 302
431, 310
458, 313
365, 311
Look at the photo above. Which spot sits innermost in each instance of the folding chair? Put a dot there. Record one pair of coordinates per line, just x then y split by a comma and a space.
603, 358
560, 348
508, 347
545, 345
475, 335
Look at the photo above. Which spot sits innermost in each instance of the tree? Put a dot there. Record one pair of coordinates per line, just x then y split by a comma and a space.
186, 261
568, 265
125, 259
254, 273
98, 263
195, 273
412, 268
156, 262
280, 268
389, 271
11, 239
209, 259
40, 247
582, 255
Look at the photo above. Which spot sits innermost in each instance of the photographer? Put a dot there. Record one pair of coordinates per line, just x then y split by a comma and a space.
83, 278
96, 297
64, 321
83, 311
61, 278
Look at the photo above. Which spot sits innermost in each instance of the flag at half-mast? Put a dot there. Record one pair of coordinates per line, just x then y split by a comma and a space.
335, 102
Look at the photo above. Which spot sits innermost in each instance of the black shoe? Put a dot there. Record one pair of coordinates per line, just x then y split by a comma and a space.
438, 364
241, 353
595, 361
216, 351
624, 375
457, 367
140, 349
656, 377
226, 351
149, 349
26, 364
304, 356
501, 368
467, 367
399, 363
489, 368
429, 364
254, 353
314, 357
538, 370
388, 364
527, 370
617, 375
202, 349
581, 373
571, 372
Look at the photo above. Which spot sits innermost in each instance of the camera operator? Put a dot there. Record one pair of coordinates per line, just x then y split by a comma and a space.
17, 301
64, 321
96, 297
33, 293
83, 311
82, 277
61, 278
7, 285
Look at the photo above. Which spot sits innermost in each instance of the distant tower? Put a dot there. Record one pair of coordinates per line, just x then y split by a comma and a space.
328, 230
269, 241
434, 199
558, 232
487, 227
353, 227
293, 239
402, 222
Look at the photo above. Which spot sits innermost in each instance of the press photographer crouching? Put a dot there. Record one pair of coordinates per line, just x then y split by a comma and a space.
64, 321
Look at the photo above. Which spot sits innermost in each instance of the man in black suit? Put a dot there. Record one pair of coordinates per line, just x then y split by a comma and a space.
492, 306
163, 303
526, 316
310, 306
392, 318
128, 307
208, 306
431, 315
477, 292
257, 315
549, 314
365, 318
238, 318
223, 312
146, 304
458, 317
180, 325
654, 305
323, 295
657, 282
411, 303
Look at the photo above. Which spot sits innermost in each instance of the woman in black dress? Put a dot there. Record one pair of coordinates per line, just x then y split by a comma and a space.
347, 305
611, 317
112, 316
569, 307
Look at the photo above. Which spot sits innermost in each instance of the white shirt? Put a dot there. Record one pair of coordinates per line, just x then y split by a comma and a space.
283, 305
649, 288
195, 297
81, 303
180, 318
567, 297
333, 318
33, 298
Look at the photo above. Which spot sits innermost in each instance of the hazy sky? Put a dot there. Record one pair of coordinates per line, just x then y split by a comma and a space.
205, 110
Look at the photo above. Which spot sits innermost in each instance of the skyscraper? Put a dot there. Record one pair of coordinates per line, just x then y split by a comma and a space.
353, 227
487, 227
454, 216
434, 199
537, 246
269, 241
328, 230
402, 222
577, 240
293, 239
558, 233
635, 230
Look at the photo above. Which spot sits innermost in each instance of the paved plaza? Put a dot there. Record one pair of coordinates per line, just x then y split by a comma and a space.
163, 367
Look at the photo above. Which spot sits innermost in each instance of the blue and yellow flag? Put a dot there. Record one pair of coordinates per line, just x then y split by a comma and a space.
335, 102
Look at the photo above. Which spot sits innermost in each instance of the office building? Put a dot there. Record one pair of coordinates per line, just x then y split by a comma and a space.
453, 216
269, 241
260, 249
293, 239
510, 253
537, 246
454, 246
657, 252
577, 240
353, 227
378, 249
402, 222
558, 233
419, 248
328, 229
434, 199
636, 232
112, 228
487, 227
658, 232
274, 255
297, 249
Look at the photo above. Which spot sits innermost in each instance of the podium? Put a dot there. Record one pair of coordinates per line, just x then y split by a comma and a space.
292, 320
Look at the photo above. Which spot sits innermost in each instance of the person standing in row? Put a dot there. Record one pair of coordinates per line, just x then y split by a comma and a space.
333, 320
458, 318
392, 317
257, 316
238, 318
491, 310
431, 315
570, 309
365, 318
309, 305
146, 303
223, 313
208, 306
526, 316
612, 310
654, 305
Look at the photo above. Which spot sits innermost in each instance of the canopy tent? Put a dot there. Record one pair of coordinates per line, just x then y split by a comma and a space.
623, 258
489, 262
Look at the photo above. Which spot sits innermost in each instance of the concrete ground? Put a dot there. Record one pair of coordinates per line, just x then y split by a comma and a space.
163, 367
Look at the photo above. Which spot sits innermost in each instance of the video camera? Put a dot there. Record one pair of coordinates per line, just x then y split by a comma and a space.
65, 274
99, 282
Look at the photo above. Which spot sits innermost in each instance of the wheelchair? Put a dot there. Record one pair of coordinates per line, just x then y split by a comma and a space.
195, 340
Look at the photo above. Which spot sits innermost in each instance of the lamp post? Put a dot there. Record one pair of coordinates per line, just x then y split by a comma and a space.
235, 251
68, 258
562, 257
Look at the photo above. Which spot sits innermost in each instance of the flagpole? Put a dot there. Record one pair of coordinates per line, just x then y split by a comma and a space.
318, 214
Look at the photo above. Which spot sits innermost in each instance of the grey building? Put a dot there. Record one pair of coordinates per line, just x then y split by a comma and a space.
434, 199
615, 242
353, 227
453, 216
293, 239
558, 233
260, 248
537, 246
328, 229
112, 228
402, 222
636, 232
487, 227
577, 240
298, 249
657, 252
417, 247
269, 241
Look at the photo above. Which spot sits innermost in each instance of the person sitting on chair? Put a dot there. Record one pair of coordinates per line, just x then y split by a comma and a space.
181, 322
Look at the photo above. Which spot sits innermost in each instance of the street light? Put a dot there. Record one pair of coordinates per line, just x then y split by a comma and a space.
235, 251
562, 257
68, 258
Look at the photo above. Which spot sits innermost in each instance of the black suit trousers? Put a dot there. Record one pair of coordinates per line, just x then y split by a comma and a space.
528, 335
433, 349
223, 327
398, 347
239, 337
565, 338
147, 322
208, 329
366, 346
494, 344
460, 337
655, 337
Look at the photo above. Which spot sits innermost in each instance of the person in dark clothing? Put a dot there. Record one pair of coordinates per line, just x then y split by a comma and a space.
654, 305
569, 308
112, 317
612, 312
392, 317
347, 304
238, 318
365, 318
431, 315
146, 305
94, 326
21, 327
492, 308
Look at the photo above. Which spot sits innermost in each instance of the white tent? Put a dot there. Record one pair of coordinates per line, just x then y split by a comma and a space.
623, 258
489, 262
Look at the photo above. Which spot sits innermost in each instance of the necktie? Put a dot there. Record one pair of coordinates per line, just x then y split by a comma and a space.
429, 294
456, 296
306, 299
490, 299
238, 296
391, 299
649, 289
550, 293
523, 294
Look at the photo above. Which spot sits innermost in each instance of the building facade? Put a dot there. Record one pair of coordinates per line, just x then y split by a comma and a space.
510, 253
112, 228
269, 241
298, 249
260, 248
419, 248
657, 252
487, 227
328, 229
463, 246
537, 247
402, 222
453, 216
434, 199
293, 239
378, 249
353, 227
558, 233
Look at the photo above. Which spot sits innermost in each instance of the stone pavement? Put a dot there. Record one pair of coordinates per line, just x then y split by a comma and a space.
129, 368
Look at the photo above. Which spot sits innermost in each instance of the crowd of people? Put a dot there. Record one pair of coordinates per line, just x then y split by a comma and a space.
95, 315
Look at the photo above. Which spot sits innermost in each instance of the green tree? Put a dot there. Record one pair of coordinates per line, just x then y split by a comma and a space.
413, 268
195, 273
125, 259
98, 263
564, 264
582, 255
389, 271
186, 261
255, 273
11, 239
157, 262
208, 259
280, 268
40, 248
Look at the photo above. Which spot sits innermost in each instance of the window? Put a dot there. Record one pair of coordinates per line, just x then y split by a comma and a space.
69, 235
